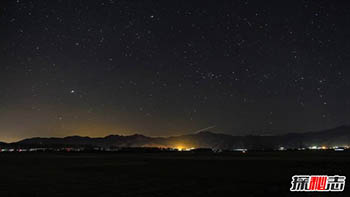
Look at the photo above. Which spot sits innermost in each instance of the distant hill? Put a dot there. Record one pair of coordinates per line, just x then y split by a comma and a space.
338, 136
331, 137
111, 140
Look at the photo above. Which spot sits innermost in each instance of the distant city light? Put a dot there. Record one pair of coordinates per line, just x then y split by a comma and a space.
182, 148
243, 150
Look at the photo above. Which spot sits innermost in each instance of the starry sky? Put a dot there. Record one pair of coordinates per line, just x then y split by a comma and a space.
161, 68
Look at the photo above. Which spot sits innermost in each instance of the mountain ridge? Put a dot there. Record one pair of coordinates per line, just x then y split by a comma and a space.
338, 136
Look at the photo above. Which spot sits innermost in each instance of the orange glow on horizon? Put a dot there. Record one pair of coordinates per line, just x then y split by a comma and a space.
182, 147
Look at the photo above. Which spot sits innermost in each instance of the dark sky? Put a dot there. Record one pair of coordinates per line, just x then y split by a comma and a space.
172, 67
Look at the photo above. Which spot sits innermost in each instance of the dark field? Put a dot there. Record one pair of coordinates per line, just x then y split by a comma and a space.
165, 174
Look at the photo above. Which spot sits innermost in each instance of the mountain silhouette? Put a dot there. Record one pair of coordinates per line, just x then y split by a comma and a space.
339, 136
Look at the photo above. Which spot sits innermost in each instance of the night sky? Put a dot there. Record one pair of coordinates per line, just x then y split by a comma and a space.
160, 68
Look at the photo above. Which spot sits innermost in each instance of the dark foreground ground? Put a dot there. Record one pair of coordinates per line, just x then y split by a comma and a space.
165, 174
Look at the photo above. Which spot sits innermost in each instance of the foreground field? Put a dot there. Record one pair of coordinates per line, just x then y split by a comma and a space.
164, 174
